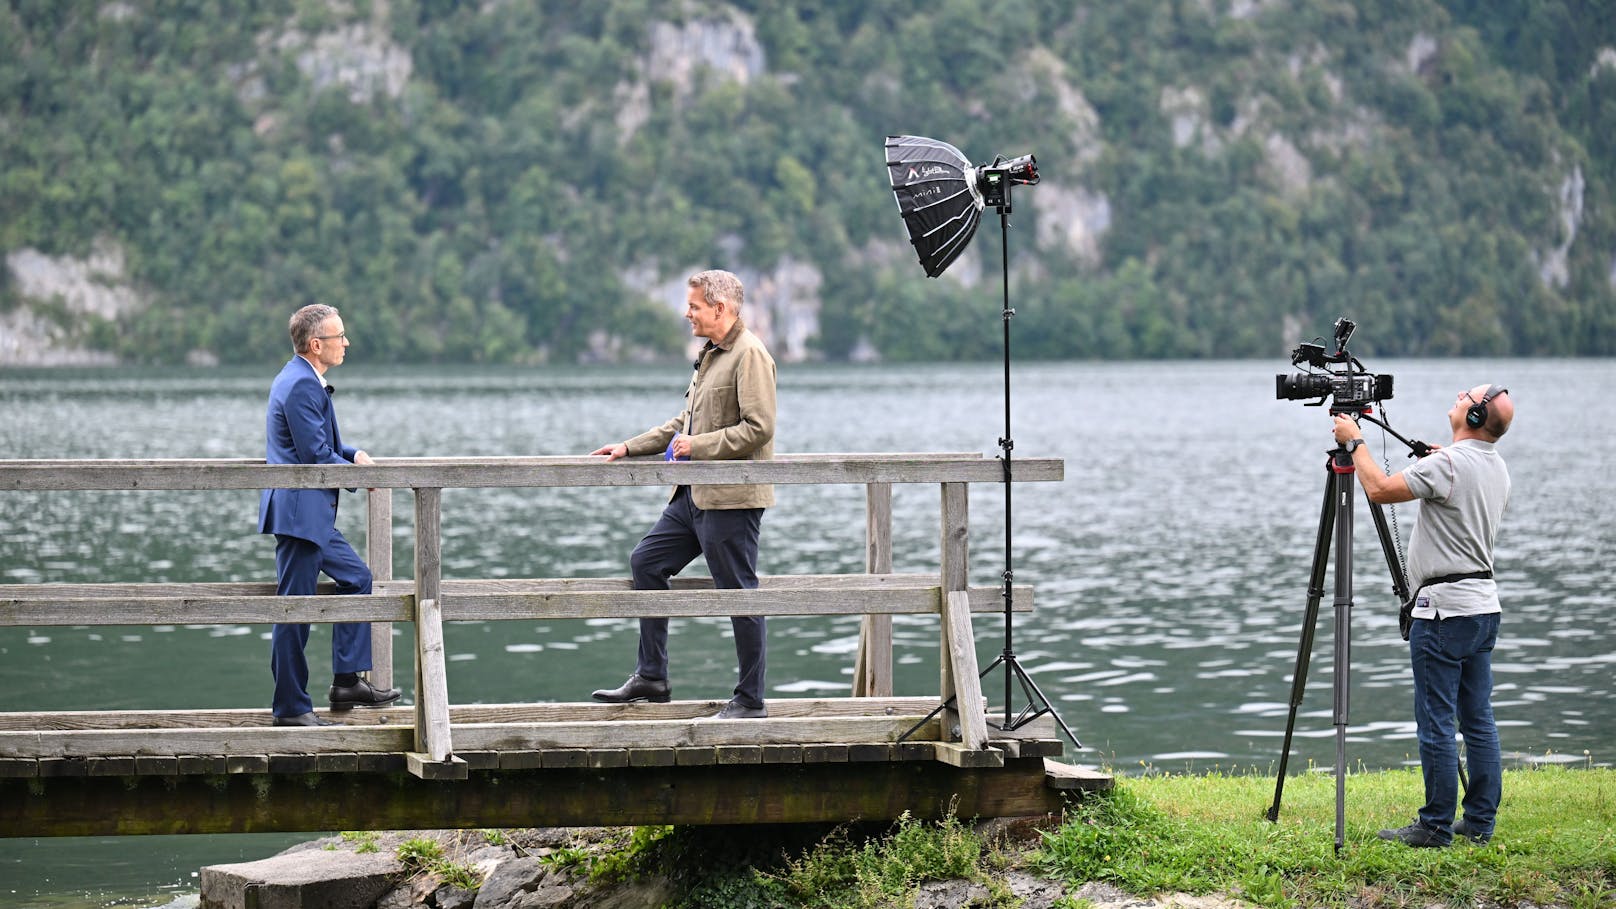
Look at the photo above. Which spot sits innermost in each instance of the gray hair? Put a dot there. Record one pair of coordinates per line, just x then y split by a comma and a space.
719, 287
306, 323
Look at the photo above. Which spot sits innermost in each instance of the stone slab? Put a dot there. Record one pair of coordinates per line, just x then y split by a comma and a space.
307, 879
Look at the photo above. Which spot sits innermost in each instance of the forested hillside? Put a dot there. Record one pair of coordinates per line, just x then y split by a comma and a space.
513, 181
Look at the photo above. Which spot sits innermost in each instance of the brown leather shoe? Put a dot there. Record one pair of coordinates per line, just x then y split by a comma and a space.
636, 689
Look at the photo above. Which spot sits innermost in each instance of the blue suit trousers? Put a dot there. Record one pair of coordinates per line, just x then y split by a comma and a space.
298, 564
728, 539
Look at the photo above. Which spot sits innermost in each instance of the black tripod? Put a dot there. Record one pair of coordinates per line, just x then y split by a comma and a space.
1335, 518
997, 194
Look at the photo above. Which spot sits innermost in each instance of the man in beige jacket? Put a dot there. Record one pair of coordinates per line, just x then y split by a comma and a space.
728, 415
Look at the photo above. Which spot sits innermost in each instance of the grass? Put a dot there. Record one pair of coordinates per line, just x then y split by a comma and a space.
1555, 842
1197, 833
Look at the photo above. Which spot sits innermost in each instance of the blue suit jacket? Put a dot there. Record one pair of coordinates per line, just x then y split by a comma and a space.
301, 429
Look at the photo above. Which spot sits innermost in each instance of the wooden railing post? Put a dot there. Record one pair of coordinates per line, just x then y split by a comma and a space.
959, 671
432, 745
379, 555
872, 670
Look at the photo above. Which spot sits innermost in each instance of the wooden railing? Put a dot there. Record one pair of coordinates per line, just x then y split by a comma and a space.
427, 599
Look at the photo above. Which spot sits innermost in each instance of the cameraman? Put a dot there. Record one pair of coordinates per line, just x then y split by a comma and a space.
1462, 489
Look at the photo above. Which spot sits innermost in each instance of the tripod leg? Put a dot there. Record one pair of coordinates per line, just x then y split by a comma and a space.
1344, 481
1310, 617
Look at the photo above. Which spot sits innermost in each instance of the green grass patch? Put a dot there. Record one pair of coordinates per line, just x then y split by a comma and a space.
1554, 841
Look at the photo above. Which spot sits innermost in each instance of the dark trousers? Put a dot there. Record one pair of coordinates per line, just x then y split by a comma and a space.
729, 541
298, 564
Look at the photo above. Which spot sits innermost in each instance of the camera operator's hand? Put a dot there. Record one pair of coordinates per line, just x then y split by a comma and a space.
1346, 429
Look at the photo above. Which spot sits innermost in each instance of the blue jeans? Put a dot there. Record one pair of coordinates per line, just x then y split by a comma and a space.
1453, 678
728, 539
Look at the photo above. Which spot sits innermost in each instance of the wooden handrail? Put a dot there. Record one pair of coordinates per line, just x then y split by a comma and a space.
466, 473
428, 599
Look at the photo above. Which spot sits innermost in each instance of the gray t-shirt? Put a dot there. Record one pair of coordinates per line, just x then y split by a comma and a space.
1462, 491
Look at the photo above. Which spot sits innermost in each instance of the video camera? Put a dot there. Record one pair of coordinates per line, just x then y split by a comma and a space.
1343, 379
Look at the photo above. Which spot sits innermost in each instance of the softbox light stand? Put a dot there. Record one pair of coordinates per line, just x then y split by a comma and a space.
941, 197
1037, 703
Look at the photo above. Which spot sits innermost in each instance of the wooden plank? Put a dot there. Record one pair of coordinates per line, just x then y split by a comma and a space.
782, 754
204, 764
426, 767
294, 763
379, 556
381, 763
236, 743
839, 599
651, 757
824, 754
913, 751
441, 473
955, 550
432, 734
55, 767
112, 766
157, 766
967, 684
18, 609
479, 760
606, 758
731, 755
779, 708
729, 794
529, 760
31, 605
15, 767
680, 733
957, 755
695, 757
561, 758
431, 676
872, 669
870, 752
340, 762
1067, 777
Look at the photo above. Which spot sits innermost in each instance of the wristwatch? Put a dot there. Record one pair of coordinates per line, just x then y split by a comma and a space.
1352, 445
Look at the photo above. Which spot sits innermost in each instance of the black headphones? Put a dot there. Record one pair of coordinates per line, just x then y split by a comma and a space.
1476, 416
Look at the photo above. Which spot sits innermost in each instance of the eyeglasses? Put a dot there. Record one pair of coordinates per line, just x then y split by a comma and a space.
341, 334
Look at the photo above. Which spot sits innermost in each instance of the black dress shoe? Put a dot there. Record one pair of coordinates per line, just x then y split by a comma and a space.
345, 697
735, 710
637, 688
304, 719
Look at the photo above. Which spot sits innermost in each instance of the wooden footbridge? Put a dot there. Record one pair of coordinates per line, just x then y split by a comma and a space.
440, 765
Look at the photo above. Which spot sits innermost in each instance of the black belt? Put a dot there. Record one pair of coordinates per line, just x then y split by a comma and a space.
1405, 615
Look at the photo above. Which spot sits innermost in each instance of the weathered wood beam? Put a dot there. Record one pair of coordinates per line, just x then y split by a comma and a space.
46, 604
443, 473
588, 734
779, 708
872, 667
379, 556
717, 793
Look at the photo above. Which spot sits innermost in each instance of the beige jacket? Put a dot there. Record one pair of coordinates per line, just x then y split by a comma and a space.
729, 416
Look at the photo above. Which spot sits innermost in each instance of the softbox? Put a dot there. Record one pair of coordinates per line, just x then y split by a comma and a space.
935, 186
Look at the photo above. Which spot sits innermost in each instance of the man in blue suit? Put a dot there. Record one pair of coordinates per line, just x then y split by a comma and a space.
302, 429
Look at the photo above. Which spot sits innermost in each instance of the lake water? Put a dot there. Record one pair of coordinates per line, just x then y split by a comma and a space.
1170, 566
